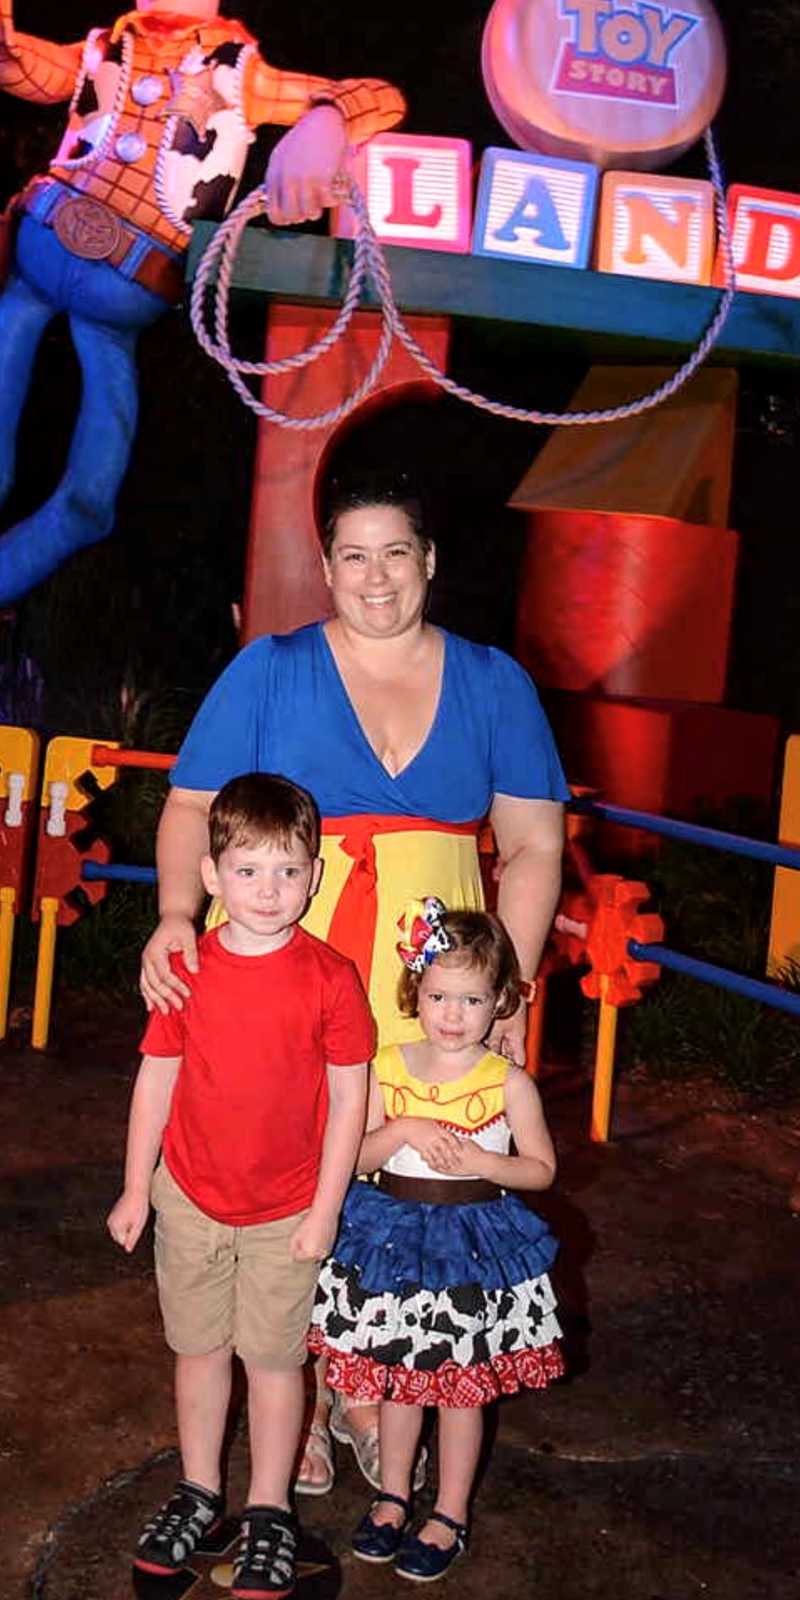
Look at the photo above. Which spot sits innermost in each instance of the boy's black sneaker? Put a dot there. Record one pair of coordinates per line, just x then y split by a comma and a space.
178, 1528
264, 1565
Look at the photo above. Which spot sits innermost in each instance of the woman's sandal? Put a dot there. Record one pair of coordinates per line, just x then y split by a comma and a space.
317, 1447
365, 1446
424, 1563
380, 1541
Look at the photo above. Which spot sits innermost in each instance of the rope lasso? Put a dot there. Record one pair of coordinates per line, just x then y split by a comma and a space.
369, 259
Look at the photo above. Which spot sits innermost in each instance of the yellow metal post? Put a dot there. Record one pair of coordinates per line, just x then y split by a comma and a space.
45, 965
604, 1066
784, 933
7, 900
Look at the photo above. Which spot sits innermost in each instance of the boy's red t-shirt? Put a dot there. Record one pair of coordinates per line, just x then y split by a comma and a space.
250, 1103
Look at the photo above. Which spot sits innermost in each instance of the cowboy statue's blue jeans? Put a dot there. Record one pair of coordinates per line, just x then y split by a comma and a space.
106, 314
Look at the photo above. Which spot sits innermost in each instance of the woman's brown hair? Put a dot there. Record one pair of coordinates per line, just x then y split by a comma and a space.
374, 489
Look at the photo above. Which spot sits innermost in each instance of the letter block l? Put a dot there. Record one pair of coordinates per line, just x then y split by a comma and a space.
418, 191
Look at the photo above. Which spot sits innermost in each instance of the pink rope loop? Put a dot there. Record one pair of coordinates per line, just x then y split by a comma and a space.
368, 258
223, 248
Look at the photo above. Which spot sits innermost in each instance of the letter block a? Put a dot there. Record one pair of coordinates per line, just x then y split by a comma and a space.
765, 235
418, 189
535, 208
656, 227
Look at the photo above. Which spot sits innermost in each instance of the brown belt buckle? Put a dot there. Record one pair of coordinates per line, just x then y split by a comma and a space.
87, 228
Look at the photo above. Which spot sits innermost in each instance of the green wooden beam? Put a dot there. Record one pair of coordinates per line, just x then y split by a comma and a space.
633, 318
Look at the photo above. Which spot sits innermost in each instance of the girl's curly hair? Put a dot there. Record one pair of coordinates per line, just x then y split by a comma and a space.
480, 941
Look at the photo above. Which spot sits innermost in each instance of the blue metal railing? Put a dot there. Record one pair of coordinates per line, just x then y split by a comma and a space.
771, 994
780, 855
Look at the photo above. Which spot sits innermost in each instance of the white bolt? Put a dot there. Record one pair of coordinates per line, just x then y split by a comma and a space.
57, 822
16, 790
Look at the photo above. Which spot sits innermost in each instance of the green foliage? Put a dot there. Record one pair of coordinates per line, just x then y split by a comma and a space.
717, 907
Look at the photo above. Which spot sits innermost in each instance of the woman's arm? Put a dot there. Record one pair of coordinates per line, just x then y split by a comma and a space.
180, 846
530, 842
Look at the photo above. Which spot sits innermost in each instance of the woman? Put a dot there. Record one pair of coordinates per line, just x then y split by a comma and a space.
408, 737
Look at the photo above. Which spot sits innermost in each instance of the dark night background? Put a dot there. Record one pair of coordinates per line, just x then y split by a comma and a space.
130, 632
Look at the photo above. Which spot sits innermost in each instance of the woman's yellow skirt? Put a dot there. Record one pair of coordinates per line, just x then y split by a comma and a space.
373, 866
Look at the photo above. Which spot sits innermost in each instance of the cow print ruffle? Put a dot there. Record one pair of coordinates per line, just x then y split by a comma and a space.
459, 1347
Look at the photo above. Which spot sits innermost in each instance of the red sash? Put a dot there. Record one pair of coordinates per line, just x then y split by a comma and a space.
352, 927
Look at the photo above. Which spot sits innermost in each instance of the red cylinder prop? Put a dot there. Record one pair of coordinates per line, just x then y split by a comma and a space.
619, 604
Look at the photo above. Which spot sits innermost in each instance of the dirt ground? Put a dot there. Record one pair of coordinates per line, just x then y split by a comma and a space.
664, 1467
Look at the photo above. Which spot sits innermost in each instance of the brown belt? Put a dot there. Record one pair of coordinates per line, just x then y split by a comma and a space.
438, 1191
89, 229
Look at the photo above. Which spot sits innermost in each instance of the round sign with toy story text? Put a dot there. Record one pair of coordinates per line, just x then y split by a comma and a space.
629, 84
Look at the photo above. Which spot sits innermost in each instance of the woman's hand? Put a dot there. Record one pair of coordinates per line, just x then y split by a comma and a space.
507, 1037
160, 986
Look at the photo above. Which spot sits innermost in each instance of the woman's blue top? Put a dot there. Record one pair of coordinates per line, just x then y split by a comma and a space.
281, 706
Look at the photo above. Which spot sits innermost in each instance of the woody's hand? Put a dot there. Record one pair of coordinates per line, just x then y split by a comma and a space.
303, 166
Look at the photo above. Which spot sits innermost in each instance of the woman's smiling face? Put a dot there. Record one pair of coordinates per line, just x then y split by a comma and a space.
378, 571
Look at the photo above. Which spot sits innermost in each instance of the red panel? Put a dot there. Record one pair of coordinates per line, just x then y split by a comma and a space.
667, 758
284, 584
626, 605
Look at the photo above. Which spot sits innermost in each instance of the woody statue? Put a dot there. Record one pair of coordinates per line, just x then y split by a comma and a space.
163, 105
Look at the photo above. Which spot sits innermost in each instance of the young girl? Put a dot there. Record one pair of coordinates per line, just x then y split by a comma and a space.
437, 1291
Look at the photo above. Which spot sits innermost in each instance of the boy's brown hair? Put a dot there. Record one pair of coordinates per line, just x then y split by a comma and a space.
479, 940
262, 808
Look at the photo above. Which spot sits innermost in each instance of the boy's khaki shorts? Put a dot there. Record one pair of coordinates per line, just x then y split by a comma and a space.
219, 1285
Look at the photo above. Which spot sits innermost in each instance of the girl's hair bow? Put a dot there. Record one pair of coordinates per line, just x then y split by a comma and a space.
424, 937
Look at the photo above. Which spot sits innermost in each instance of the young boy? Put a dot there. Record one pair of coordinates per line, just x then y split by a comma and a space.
256, 1091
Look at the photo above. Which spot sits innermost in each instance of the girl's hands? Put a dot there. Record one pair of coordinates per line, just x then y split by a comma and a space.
466, 1160
443, 1150
437, 1145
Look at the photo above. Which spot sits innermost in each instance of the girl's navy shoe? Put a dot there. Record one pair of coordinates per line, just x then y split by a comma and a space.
424, 1563
380, 1542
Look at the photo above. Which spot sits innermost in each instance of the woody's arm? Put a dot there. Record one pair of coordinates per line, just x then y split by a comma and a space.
35, 69
367, 105
325, 118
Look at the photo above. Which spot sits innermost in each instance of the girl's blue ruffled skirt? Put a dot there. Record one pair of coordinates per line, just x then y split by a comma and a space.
437, 1304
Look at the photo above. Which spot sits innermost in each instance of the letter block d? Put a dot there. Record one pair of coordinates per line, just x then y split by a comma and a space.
535, 208
765, 234
418, 191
